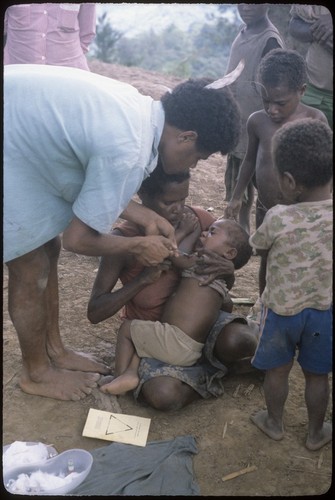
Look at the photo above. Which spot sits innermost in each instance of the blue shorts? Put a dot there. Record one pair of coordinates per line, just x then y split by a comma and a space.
309, 332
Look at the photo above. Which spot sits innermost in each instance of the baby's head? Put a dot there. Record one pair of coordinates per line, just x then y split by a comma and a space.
228, 239
304, 149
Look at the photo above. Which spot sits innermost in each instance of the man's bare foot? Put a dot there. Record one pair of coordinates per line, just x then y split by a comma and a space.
324, 437
262, 421
122, 384
61, 384
81, 361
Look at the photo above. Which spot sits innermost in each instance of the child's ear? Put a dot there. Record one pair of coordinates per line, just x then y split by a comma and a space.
288, 181
303, 89
230, 254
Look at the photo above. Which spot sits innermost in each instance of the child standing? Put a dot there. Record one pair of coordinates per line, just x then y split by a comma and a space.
188, 315
256, 38
282, 75
297, 299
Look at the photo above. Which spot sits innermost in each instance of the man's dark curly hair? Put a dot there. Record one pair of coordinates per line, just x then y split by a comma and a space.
154, 185
280, 66
304, 148
213, 114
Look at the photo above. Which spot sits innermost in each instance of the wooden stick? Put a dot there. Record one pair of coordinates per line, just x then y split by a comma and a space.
236, 391
224, 430
250, 468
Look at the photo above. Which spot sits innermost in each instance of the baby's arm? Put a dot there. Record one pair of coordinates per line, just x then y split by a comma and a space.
187, 234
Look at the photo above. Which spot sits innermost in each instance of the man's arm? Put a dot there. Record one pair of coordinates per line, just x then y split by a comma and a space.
320, 31
301, 30
78, 237
87, 25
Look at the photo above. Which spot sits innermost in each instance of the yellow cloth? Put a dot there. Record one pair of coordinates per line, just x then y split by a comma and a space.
165, 342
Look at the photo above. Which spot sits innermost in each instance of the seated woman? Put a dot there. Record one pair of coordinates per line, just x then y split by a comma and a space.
146, 290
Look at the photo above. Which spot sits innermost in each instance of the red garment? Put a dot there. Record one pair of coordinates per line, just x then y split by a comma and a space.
149, 302
49, 33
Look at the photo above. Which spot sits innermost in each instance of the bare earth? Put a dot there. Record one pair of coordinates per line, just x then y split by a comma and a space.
227, 441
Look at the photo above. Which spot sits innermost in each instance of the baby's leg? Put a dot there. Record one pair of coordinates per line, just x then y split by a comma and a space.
125, 382
125, 348
270, 421
317, 396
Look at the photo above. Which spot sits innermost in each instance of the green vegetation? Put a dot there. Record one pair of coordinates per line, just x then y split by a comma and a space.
201, 51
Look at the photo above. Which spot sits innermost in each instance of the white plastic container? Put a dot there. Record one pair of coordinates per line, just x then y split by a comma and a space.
76, 460
18, 454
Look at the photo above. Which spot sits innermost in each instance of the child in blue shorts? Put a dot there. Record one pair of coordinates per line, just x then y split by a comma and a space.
296, 239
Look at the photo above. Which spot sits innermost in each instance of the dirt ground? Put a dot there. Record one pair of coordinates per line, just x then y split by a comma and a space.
227, 441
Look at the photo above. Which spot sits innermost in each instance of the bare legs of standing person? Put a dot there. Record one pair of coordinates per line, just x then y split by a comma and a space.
49, 369
276, 387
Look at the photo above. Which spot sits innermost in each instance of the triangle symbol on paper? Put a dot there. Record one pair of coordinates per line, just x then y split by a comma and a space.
115, 425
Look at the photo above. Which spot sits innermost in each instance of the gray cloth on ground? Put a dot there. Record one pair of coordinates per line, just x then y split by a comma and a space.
159, 468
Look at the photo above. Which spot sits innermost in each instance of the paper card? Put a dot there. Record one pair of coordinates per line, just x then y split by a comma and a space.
117, 427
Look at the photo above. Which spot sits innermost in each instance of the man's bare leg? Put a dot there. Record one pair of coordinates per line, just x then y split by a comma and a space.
61, 356
270, 421
28, 309
316, 397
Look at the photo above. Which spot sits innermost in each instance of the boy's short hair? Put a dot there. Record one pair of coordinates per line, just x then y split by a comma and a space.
212, 113
283, 66
239, 238
154, 185
304, 148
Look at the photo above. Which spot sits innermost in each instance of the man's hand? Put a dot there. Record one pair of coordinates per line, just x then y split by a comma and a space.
322, 31
151, 250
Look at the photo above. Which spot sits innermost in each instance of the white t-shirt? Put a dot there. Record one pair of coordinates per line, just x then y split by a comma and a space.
74, 143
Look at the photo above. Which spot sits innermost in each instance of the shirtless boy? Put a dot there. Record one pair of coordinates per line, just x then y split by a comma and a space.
282, 78
188, 315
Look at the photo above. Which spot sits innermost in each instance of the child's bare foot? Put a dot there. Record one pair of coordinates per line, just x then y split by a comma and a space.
262, 421
106, 379
74, 360
122, 384
324, 437
61, 384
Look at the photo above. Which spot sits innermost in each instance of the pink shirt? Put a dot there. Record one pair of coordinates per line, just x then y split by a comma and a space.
49, 33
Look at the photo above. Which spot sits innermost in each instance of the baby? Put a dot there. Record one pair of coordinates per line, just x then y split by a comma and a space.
188, 315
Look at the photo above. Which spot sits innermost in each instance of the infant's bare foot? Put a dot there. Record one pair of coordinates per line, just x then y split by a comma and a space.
61, 384
262, 421
81, 361
122, 384
324, 437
